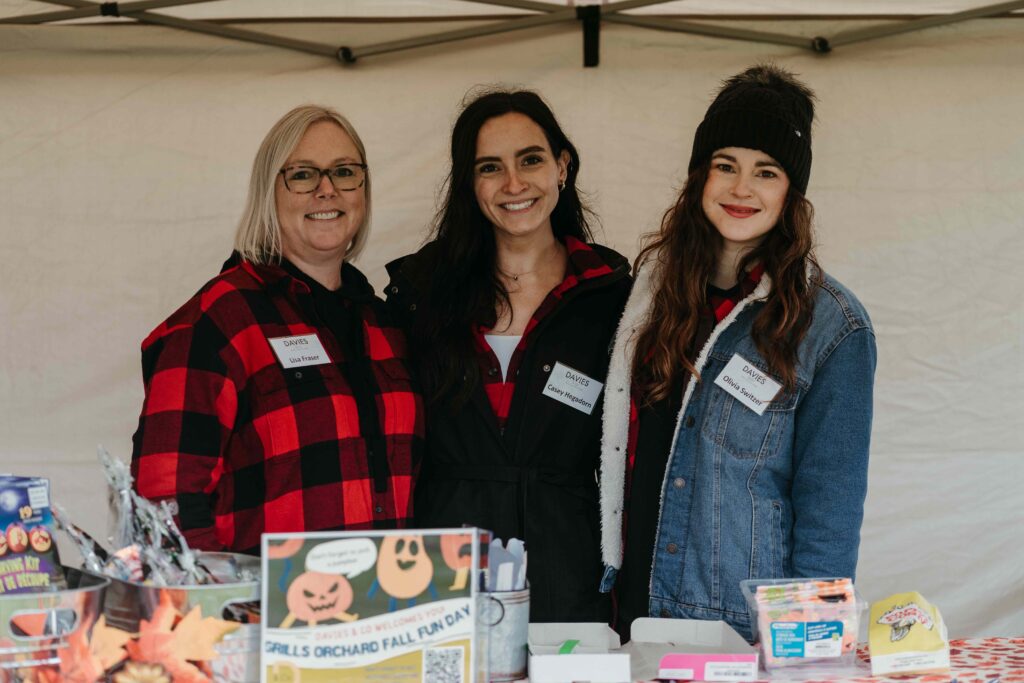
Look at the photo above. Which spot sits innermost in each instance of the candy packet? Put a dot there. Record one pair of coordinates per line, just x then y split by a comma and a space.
28, 554
805, 621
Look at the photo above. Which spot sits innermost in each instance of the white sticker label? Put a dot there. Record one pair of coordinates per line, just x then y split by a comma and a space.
676, 674
730, 671
573, 388
299, 351
742, 380
38, 497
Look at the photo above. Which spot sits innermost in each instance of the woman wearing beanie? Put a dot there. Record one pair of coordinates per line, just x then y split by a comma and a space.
738, 407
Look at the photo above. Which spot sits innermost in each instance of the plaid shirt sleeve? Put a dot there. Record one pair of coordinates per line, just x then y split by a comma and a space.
245, 445
187, 416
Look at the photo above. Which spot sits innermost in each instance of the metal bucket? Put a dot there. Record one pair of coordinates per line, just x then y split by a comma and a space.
128, 602
504, 617
60, 615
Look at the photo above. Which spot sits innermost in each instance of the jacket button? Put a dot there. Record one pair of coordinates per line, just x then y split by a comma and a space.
394, 289
492, 372
665, 613
672, 548
298, 374
378, 509
546, 368
679, 482
689, 421
412, 307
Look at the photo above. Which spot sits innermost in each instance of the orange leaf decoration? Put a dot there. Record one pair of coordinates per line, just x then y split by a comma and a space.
195, 636
107, 643
77, 662
169, 640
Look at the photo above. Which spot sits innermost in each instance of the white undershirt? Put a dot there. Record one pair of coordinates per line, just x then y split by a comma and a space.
503, 346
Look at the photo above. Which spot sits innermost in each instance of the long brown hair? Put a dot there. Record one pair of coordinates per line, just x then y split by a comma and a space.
685, 255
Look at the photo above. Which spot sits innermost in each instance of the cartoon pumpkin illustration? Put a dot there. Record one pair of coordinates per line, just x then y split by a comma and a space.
39, 538
404, 570
314, 597
17, 539
457, 551
3, 545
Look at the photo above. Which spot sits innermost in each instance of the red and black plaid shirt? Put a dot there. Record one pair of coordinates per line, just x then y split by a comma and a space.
244, 445
583, 264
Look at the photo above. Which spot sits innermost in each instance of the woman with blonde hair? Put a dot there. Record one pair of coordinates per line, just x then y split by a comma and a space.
278, 397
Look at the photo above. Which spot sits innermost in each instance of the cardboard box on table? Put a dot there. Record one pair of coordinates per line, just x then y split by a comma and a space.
690, 650
660, 648
595, 658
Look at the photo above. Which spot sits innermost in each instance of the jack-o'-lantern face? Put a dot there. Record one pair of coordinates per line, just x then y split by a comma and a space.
39, 539
404, 569
457, 550
3, 545
17, 539
316, 597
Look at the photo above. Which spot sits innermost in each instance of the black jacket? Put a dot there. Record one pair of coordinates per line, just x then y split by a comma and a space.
536, 480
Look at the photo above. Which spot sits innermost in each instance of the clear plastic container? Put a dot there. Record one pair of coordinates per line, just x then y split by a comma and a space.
805, 622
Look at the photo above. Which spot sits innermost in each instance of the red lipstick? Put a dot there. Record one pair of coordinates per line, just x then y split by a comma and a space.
737, 211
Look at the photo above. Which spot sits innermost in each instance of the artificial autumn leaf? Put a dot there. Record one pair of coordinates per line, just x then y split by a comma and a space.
195, 635
77, 662
107, 643
159, 642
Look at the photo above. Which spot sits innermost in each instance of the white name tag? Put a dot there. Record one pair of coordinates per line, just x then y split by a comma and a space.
573, 388
299, 351
747, 384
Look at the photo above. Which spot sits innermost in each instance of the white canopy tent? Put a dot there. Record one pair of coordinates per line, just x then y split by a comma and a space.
125, 150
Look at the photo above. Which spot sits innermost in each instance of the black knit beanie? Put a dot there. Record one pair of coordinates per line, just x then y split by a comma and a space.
764, 108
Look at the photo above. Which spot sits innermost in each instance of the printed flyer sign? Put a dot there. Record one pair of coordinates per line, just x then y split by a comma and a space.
370, 606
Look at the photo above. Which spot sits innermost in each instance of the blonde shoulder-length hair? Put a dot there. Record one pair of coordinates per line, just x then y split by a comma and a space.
258, 238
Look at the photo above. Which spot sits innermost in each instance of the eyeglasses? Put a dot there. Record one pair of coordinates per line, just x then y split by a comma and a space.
305, 179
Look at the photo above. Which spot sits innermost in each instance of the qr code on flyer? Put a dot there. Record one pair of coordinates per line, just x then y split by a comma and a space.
443, 665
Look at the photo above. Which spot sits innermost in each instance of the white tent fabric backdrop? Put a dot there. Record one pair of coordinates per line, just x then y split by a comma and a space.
125, 152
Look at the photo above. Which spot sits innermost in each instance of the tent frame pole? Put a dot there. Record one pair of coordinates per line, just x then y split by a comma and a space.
589, 16
211, 29
97, 10
873, 32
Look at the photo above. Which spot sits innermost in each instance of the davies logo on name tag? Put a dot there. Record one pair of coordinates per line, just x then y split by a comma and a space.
747, 384
573, 388
299, 351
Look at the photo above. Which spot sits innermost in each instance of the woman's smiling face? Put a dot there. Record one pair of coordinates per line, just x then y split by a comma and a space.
744, 195
318, 226
516, 175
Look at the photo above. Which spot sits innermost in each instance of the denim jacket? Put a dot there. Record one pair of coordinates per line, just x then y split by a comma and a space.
744, 495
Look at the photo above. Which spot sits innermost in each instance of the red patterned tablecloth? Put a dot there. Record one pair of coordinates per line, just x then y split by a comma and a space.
972, 660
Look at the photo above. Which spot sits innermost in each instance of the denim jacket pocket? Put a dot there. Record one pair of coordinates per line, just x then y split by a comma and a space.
743, 433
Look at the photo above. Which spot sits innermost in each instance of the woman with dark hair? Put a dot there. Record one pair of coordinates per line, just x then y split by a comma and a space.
510, 312
739, 394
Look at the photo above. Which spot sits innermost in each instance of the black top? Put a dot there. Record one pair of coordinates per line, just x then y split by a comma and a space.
537, 479
343, 320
